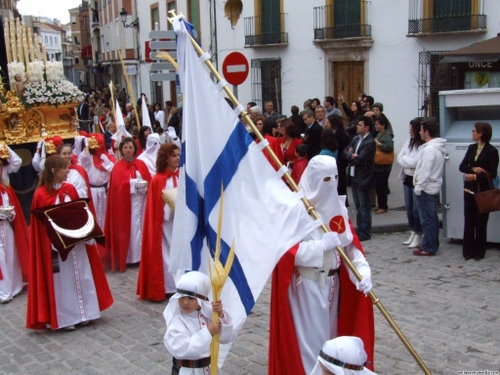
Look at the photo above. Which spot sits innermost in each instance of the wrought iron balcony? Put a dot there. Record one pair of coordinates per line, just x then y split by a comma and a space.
447, 24
460, 15
325, 26
267, 30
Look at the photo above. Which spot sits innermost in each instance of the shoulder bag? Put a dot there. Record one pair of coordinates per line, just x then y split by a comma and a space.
489, 200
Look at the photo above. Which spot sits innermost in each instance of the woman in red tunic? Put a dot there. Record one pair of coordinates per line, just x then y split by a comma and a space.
154, 279
125, 208
61, 293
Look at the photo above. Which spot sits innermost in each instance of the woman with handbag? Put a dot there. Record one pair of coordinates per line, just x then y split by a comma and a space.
384, 157
480, 161
155, 281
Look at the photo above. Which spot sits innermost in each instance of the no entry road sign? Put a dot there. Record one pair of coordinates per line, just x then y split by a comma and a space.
235, 68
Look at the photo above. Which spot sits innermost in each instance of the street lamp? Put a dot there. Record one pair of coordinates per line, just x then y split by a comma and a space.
124, 15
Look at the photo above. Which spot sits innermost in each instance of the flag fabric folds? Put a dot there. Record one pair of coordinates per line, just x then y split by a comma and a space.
261, 214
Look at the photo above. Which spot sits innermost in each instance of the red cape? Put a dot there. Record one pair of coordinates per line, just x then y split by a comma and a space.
119, 211
151, 283
41, 308
100, 249
355, 317
20, 232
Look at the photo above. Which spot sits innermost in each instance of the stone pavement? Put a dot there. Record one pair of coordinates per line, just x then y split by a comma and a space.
446, 307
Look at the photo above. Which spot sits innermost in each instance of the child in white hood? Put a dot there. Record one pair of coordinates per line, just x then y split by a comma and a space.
190, 327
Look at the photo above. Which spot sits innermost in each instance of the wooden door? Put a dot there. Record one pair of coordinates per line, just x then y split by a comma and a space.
348, 79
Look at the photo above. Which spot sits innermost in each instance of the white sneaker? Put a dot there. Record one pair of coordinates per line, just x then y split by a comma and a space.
417, 240
409, 240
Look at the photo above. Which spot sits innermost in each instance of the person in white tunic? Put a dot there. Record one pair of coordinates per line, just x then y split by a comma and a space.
14, 246
12, 165
190, 327
98, 164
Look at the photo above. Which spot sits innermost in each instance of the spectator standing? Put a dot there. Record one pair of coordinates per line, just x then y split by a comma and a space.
334, 122
427, 180
289, 141
360, 154
296, 118
320, 115
384, 144
312, 135
481, 159
331, 107
407, 158
270, 113
159, 115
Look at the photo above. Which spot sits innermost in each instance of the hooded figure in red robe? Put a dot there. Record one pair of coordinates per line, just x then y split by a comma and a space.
61, 294
314, 296
128, 185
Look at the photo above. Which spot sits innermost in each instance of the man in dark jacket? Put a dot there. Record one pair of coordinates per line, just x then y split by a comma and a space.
312, 135
360, 154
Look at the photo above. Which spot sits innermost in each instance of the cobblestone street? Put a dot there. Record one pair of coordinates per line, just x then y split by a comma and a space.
446, 307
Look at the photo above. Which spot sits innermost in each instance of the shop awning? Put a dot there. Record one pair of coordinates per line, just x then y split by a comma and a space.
488, 50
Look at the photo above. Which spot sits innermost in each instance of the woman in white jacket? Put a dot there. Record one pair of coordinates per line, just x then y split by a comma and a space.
407, 158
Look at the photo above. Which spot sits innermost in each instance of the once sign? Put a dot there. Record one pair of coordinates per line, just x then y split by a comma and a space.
235, 68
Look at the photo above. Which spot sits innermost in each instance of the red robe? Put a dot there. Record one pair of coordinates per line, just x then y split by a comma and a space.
20, 231
151, 283
119, 211
41, 308
355, 317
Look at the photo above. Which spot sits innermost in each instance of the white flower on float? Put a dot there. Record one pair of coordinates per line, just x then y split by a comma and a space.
36, 69
54, 71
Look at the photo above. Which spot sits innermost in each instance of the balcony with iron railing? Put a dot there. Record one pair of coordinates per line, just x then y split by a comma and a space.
462, 16
326, 28
265, 31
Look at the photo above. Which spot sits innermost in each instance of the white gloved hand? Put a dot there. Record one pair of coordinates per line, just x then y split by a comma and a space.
143, 190
365, 285
330, 241
171, 132
104, 157
40, 144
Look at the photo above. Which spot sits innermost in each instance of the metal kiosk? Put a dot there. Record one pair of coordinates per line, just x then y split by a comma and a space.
459, 111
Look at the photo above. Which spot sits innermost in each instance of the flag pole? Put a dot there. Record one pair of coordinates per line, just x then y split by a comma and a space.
310, 209
129, 86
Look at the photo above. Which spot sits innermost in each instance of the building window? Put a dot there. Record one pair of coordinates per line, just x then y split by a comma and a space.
341, 19
433, 76
440, 16
73, 20
267, 26
170, 6
194, 15
266, 82
76, 40
77, 61
155, 16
